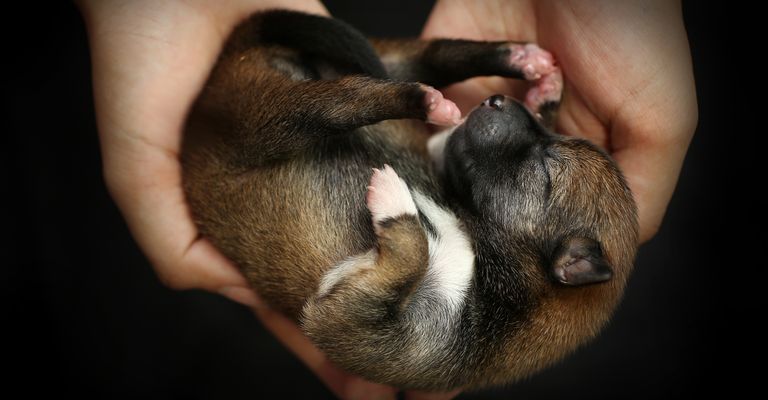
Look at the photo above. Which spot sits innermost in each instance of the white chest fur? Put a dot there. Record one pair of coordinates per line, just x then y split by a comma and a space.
451, 259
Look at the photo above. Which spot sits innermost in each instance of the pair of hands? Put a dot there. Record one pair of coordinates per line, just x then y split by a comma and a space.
628, 87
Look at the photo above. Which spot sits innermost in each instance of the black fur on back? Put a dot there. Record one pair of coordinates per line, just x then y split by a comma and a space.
324, 38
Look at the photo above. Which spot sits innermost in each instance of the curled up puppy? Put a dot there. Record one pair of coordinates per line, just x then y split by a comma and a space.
472, 257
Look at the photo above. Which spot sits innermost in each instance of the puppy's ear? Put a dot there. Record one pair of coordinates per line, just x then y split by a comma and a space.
579, 261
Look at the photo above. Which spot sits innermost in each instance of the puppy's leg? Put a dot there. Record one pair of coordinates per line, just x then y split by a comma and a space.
445, 61
400, 258
359, 313
274, 117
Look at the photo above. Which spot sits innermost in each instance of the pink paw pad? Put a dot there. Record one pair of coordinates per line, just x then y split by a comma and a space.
388, 196
440, 111
548, 89
531, 60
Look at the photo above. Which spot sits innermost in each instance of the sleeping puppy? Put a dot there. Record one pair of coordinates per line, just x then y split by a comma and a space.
473, 257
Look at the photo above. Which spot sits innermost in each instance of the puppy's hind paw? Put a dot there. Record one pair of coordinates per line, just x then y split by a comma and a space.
388, 196
440, 111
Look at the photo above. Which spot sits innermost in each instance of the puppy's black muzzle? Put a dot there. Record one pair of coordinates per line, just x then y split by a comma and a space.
502, 121
496, 102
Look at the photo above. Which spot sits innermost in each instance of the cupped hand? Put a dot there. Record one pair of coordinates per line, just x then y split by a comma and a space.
150, 60
627, 72
630, 91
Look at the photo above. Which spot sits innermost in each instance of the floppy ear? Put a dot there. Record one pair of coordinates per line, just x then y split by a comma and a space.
579, 261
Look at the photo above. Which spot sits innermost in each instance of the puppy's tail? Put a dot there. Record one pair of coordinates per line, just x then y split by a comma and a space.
317, 36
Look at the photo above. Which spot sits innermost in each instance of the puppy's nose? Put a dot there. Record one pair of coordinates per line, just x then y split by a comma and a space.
496, 102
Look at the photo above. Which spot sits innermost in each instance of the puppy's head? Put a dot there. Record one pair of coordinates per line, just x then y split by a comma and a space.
555, 228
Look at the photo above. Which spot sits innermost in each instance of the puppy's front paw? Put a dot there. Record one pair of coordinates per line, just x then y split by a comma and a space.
440, 111
388, 197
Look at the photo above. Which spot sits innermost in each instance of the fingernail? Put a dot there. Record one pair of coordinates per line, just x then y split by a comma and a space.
241, 295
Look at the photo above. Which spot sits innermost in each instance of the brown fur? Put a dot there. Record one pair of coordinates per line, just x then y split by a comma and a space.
269, 203
568, 317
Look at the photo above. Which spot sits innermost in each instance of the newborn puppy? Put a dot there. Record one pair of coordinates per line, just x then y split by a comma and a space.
476, 257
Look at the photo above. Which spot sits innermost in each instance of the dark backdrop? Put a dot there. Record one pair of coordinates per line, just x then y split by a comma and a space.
84, 313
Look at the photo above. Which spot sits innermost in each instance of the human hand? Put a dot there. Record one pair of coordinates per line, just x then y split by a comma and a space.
150, 60
628, 80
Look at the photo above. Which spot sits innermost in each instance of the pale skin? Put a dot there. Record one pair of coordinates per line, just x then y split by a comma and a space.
628, 87
628, 79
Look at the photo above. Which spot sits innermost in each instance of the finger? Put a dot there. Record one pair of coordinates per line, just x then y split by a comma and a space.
341, 383
419, 395
148, 64
648, 150
649, 139
651, 170
650, 147
481, 20
448, 16
310, 6
155, 209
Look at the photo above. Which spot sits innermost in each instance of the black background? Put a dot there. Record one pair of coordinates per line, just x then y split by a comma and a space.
85, 315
